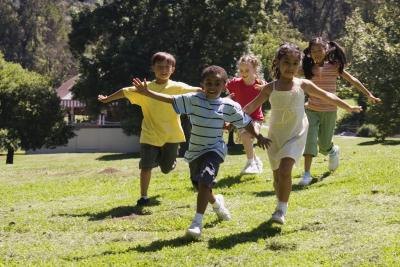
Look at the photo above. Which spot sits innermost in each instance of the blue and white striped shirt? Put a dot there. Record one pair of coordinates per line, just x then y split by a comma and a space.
207, 117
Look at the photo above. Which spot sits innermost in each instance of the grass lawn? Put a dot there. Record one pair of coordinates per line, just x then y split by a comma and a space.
78, 209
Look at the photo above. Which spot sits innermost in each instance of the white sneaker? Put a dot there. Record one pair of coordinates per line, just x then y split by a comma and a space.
278, 216
259, 164
334, 158
250, 167
194, 230
222, 212
305, 180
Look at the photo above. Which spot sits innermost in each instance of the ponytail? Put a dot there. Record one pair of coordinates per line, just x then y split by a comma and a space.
336, 55
308, 63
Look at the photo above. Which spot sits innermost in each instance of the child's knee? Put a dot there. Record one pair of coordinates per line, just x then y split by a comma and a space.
167, 168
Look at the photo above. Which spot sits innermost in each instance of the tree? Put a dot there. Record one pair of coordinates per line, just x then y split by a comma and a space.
116, 41
374, 52
30, 112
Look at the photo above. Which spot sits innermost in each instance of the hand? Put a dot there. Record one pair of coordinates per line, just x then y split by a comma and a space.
259, 87
263, 142
228, 126
141, 87
102, 98
355, 109
374, 100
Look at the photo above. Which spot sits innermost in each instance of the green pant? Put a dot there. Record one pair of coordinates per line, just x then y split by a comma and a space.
320, 132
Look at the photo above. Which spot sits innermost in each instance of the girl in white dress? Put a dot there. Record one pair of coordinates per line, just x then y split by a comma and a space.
288, 124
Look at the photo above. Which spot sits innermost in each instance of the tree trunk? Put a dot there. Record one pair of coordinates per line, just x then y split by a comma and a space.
10, 156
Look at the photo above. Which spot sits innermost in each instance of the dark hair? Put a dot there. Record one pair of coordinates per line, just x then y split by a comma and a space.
334, 54
214, 70
282, 51
163, 56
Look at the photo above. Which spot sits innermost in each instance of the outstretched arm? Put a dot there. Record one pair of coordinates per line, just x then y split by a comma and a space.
141, 88
360, 87
114, 96
259, 100
311, 89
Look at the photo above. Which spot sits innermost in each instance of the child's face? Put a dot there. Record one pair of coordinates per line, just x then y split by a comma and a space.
213, 85
162, 70
288, 65
247, 71
318, 52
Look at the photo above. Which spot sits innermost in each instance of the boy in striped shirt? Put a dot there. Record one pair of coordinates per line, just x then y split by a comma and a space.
208, 112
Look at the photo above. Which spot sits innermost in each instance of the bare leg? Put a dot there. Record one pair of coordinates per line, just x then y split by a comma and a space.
145, 175
247, 141
307, 162
204, 196
285, 179
276, 181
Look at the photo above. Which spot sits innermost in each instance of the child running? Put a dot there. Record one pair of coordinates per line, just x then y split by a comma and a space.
161, 128
288, 123
208, 112
244, 89
323, 63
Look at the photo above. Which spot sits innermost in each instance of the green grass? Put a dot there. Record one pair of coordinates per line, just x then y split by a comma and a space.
77, 209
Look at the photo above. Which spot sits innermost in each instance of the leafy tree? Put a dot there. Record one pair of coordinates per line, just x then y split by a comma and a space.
30, 112
116, 41
374, 53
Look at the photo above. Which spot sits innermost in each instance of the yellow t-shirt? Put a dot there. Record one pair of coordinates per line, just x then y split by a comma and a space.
161, 124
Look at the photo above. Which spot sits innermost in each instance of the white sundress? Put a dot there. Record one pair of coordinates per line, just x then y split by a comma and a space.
288, 125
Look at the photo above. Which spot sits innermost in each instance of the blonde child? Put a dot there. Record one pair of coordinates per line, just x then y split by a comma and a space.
323, 63
161, 128
288, 124
208, 112
243, 90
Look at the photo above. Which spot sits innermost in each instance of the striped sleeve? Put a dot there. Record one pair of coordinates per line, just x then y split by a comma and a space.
235, 115
182, 103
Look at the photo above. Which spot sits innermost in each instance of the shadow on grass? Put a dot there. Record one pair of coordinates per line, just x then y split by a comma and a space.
385, 143
118, 212
264, 230
228, 181
295, 187
236, 149
160, 244
119, 156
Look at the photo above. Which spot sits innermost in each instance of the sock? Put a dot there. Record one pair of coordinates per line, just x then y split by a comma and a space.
145, 197
198, 217
307, 174
283, 206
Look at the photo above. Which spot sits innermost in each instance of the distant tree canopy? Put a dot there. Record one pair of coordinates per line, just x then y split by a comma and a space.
374, 54
30, 111
115, 41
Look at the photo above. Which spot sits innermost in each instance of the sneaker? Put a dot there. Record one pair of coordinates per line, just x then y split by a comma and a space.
250, 167
194, 230
259, 164
142, 201
278, 216
334, 158
222, 212
305, 180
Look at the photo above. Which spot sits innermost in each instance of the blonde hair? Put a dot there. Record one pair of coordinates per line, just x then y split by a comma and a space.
254, 61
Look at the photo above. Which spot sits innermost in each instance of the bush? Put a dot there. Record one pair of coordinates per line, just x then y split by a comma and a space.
367, 130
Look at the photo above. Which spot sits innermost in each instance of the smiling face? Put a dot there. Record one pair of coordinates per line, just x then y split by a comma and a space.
318, 52
247, 72
162, 71
289, 65
213, 85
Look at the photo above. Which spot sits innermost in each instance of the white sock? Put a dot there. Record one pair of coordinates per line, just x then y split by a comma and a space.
283, 206
198, 218
145, 197
307, 174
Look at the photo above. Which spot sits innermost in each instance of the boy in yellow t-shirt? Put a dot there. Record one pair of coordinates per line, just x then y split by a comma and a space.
161, 128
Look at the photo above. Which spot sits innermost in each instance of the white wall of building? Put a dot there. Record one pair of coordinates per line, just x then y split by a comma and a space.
96, 140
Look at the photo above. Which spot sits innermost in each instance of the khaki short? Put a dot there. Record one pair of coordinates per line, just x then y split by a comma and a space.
240, 132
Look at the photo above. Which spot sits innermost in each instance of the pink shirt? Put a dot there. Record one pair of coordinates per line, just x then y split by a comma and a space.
244, 94
325, 78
